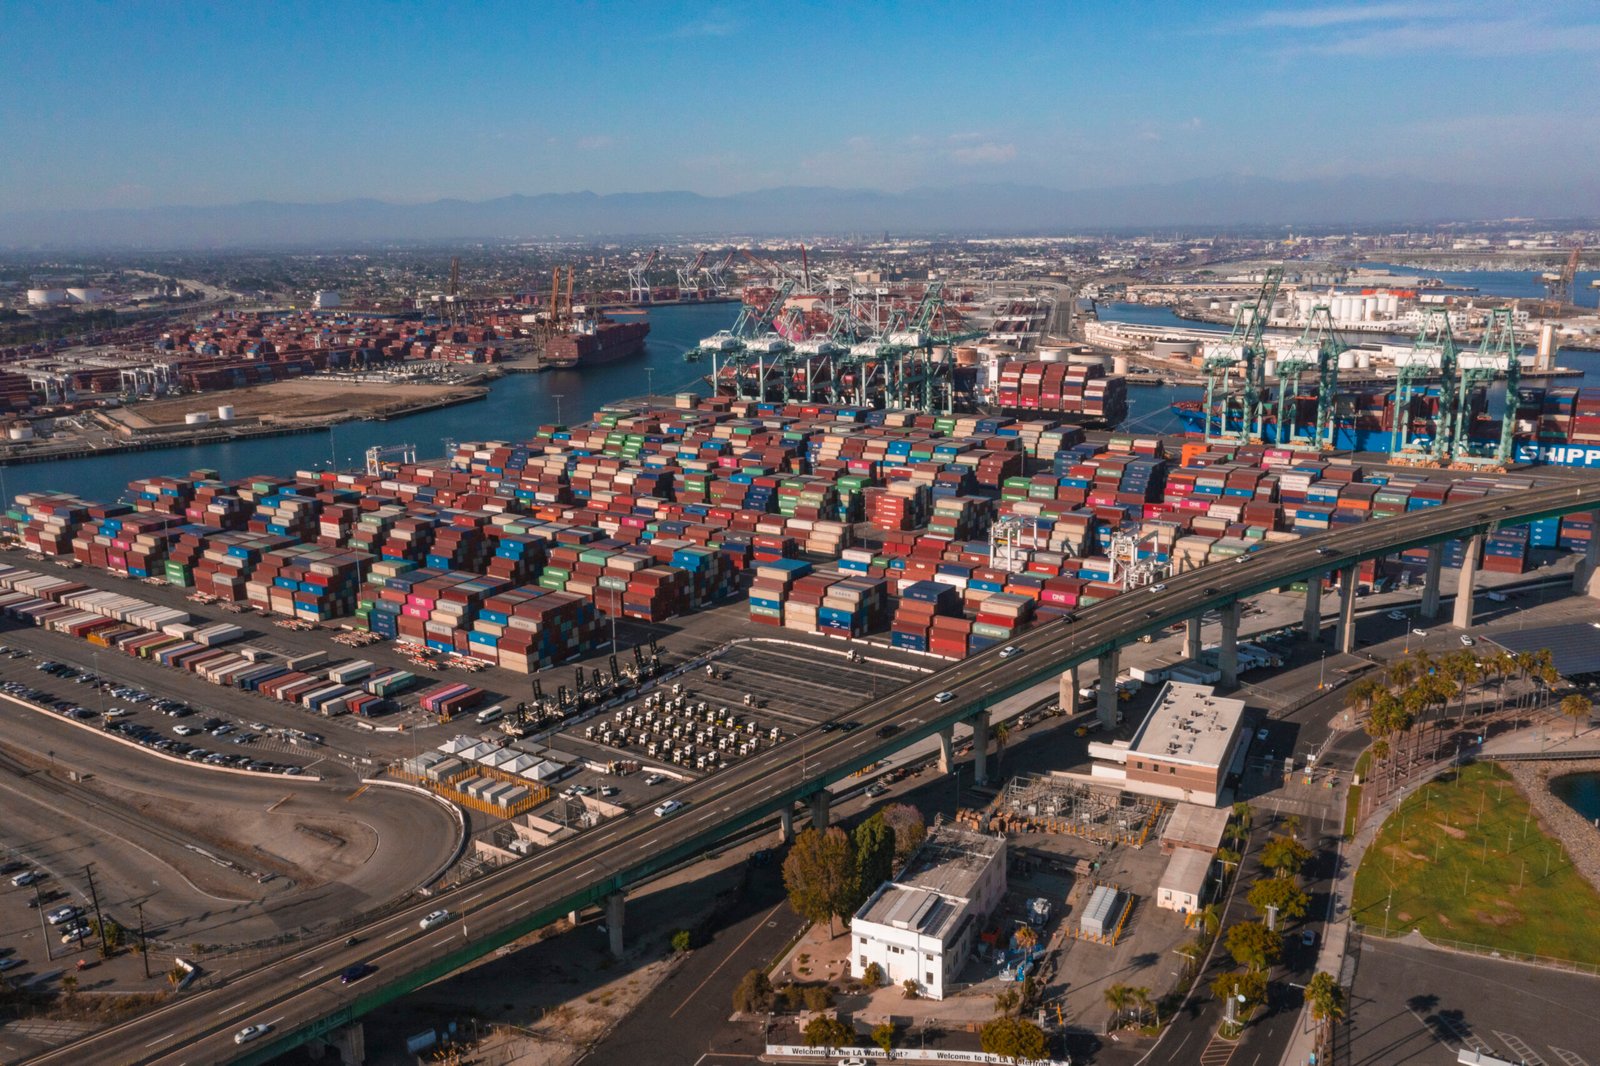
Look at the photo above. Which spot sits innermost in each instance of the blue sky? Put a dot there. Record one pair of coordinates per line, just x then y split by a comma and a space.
134, 104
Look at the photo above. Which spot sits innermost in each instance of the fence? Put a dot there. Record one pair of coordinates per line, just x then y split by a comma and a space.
1591, 969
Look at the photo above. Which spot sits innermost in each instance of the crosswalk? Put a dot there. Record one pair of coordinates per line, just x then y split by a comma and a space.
1568, 1058
1219, 1052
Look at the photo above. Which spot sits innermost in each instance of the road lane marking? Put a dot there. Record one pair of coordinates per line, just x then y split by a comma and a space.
235, 1007
357, 792
469, 899
762, 924
162, 1039
1520, 1047
1571, 1058
311, 971
396, 933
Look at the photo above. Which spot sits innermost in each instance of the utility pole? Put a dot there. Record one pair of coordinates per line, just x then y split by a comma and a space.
144, 947
44, 930
94, 899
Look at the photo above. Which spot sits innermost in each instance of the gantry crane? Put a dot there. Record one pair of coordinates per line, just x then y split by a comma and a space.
1319, 347
1433, 351
1558, 283
639, 291
1238, 364
1496, 352
691, 279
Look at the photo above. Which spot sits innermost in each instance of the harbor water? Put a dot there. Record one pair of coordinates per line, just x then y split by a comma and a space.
1581, 792
518, 403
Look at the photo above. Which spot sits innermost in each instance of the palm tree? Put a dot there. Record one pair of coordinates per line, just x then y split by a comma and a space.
1210, 918
1400, 672
1228, 857
1144, 1004
1118, 998
1577, 708
1191, 950
1000, 732
1241, 813
1327, 1003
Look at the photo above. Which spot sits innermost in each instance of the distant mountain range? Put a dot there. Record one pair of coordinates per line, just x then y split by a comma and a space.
966, 209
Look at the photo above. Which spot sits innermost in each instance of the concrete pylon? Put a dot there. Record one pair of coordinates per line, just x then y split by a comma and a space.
1344, 634
786, 825
1430, 582
947, 748
1194, 642
1311, 621
1583, 578
1106, 705
350, 1041
614, 913
1228, 648
980, 747
819, 810
1467, 583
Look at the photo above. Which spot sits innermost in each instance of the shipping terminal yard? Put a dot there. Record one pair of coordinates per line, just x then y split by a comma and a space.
1069, 577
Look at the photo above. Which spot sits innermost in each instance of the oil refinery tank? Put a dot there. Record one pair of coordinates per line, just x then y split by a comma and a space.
196, 418
225, 412
966, 355
1175, 349
1119, 365
1050, 354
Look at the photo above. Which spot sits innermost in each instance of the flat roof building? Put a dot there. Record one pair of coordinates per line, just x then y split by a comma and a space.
1183, 885
922, 925
1183, 750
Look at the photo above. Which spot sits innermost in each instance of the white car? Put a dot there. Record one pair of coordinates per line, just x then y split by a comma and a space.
185, 730
1466, 641
116, 713
434, 918
669, 808
1419, 632
1008, 652
944, 697
26, 878
251, 1032
1158, 587
654, 779
63, 914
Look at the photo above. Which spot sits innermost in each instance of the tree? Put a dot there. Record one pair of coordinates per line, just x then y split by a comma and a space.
1143, 1005
883, 1035
1027, 938
1015, 1038
819, 873
1210, 919
909, 829
873, 975
1192, 951
1242, 814
1228, 857
1254, 946
1236, 833
1285, 856
682, 941
1250, 984
818, 998
1577, 708
1001, 732
873, 843
1282, 893
754, 993
1119, 998
1327, 1001
69, 985
827, 1031
909, 989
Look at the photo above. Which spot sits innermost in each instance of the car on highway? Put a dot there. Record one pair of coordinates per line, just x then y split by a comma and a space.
1467, 641
1158, 587
943, 697
1324, 550
251, 1032
827, 727
1010, 651
669, 808
1419, 632
889, 729
26, 878
352, 974
434, 918
876, 789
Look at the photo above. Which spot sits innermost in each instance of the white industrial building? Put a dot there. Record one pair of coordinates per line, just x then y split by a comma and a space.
1183, 885
922, 926
327, 300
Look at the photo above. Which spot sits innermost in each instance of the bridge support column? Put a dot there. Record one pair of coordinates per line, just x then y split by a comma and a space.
819, 810
786, 825
1194, 641
351, 1044
1228, 649
1430, 582
1583, 578
947, 748
980, 747
1467, 583
1106, 705
614, 914
1311, 621
1077, 686
1344, 634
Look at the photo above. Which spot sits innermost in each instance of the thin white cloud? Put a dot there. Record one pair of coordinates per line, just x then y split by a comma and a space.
595, 141
1347, 14
987, 153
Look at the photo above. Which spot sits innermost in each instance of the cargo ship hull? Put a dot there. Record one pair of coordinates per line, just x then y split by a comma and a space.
605, 342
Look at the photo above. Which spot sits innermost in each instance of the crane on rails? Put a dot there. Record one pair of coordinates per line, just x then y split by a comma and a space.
1238, 366
1433, 351
1318, 348
1496, 353
639, 291
1558, 283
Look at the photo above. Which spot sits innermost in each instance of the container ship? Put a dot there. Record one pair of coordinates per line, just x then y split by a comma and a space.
1554, 427
593, 341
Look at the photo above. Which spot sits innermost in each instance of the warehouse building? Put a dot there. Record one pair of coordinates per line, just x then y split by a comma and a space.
1185, 749
923, 925
1183, 885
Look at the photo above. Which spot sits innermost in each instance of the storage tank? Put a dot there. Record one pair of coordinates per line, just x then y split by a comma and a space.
224, 412
1119, 365
1051, 354
1174, 349
87, 296
966, 355
196, 418
1363, 360
46, 297
1269, 367
1347, 360
20, 431
1087, 359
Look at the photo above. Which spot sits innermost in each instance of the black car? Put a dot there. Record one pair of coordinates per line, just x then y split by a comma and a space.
888, 730
828, 727
356, 973
849, 726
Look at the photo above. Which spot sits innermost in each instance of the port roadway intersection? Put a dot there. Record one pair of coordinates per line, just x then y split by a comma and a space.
301, 996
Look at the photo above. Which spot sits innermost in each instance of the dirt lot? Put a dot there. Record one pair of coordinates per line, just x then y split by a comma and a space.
288, 401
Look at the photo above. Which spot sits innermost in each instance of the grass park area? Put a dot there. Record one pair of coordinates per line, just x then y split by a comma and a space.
1465, 860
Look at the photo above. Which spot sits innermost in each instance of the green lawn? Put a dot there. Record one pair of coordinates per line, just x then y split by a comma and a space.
1465, 861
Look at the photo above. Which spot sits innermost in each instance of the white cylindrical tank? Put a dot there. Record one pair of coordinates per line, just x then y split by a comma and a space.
1119, 365
1363, 360
46, 297
87, 296
1269, 367
225, 412
1050, 354
196, 418
20, 431
1086, 359
1347, 360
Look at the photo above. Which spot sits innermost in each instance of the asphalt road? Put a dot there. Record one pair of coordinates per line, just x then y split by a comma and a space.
297, 993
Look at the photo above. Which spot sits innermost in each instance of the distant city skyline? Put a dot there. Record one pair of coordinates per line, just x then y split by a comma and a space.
141, 105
